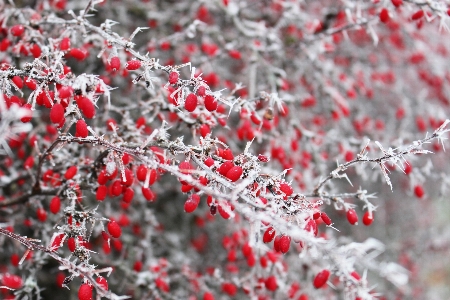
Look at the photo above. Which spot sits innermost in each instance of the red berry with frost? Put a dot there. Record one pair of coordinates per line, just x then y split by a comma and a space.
211, 103
352, 217
201, 91
234, 173
87, 107
57, 113
191, 203
17, 30
85, 292
173, 77
224, 209
321, 279
325, 218
368, 218
271, 283
11, 281
18, 81
55, 205
397, 3
190, 104
114, 229
286, 189
284, 243
71, 172
115, 63
185, 167
133, 64
269, 234
102, 282
81, 129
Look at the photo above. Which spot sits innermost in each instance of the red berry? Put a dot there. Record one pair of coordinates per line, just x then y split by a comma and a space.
116, 188
368, 218
30, 83
418, 190
208, 296
148, 194
191, 203
71, 244
85, 292
41, 214
36, 50
271, 283
57, 113
269, 234
185, 167
224, 210
65, 92
71, 172
284, 243
417, 15
114, 229
81, 129
286, 189
65, 44
128, 195
18, 81
12, 281
397, 3
133, 65
229, 288
173, 77
78, 54
325, 218
115, 63
204, 130
101, 193
201, 91
55, 205
234, 173
141, 172
352, 217
190, 104
87, 107
384, 15
234, 54
17, 30
29, 162
211, 103
102, 282
321, 278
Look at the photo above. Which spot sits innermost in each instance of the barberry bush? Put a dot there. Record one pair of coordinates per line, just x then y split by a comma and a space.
224, 149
